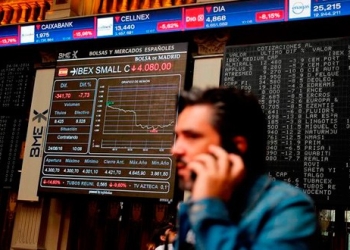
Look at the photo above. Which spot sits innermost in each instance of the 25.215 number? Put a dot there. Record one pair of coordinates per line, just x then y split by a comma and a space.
327, 7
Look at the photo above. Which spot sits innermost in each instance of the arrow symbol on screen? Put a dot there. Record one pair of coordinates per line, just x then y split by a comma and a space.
37, 26
117, 18
208, 8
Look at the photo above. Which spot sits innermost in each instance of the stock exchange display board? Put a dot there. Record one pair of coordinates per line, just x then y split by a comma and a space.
15, 92
111, 121
304, 88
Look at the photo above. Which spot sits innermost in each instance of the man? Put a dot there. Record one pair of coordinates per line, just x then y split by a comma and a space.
165, 237
220, 147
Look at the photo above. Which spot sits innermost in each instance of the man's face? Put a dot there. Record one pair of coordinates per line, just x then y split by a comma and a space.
171, 233
194, 134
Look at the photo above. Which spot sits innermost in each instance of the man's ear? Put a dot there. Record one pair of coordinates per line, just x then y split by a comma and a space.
162, 238
241, 143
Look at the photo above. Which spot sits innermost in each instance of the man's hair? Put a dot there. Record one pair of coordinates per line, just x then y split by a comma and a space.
235, 113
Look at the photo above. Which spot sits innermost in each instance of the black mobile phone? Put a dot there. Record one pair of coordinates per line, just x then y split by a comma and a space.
230, 146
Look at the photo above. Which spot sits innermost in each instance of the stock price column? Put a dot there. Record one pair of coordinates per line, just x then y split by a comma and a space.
303, 90
15, 89
70, 117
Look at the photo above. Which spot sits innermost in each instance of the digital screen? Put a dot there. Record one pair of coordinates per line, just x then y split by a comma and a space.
218, 14
111, 122
9, 36
304, 89
311, 9
139, 23
224, 14
15, 93
58, 31
229, 14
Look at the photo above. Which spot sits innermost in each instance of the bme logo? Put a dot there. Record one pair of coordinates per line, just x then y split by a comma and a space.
37, 134
195, 18
68, 55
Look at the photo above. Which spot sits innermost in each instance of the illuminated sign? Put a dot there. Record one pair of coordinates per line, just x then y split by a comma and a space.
58, 31
111, 122
189, 17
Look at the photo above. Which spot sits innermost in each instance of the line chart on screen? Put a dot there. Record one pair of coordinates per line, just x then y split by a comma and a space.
135, 114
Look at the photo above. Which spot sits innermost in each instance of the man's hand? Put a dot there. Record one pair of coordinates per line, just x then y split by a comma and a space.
217, 174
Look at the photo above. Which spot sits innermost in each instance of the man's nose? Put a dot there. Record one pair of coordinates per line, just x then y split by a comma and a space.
173, 149
176, 149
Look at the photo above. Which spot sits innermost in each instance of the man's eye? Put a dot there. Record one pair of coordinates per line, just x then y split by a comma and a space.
193, 136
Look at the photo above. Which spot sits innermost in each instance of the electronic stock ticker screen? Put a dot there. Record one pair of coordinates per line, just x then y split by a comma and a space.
304, 88
111, 122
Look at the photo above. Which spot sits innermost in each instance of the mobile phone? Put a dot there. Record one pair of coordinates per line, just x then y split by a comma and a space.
230, 146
